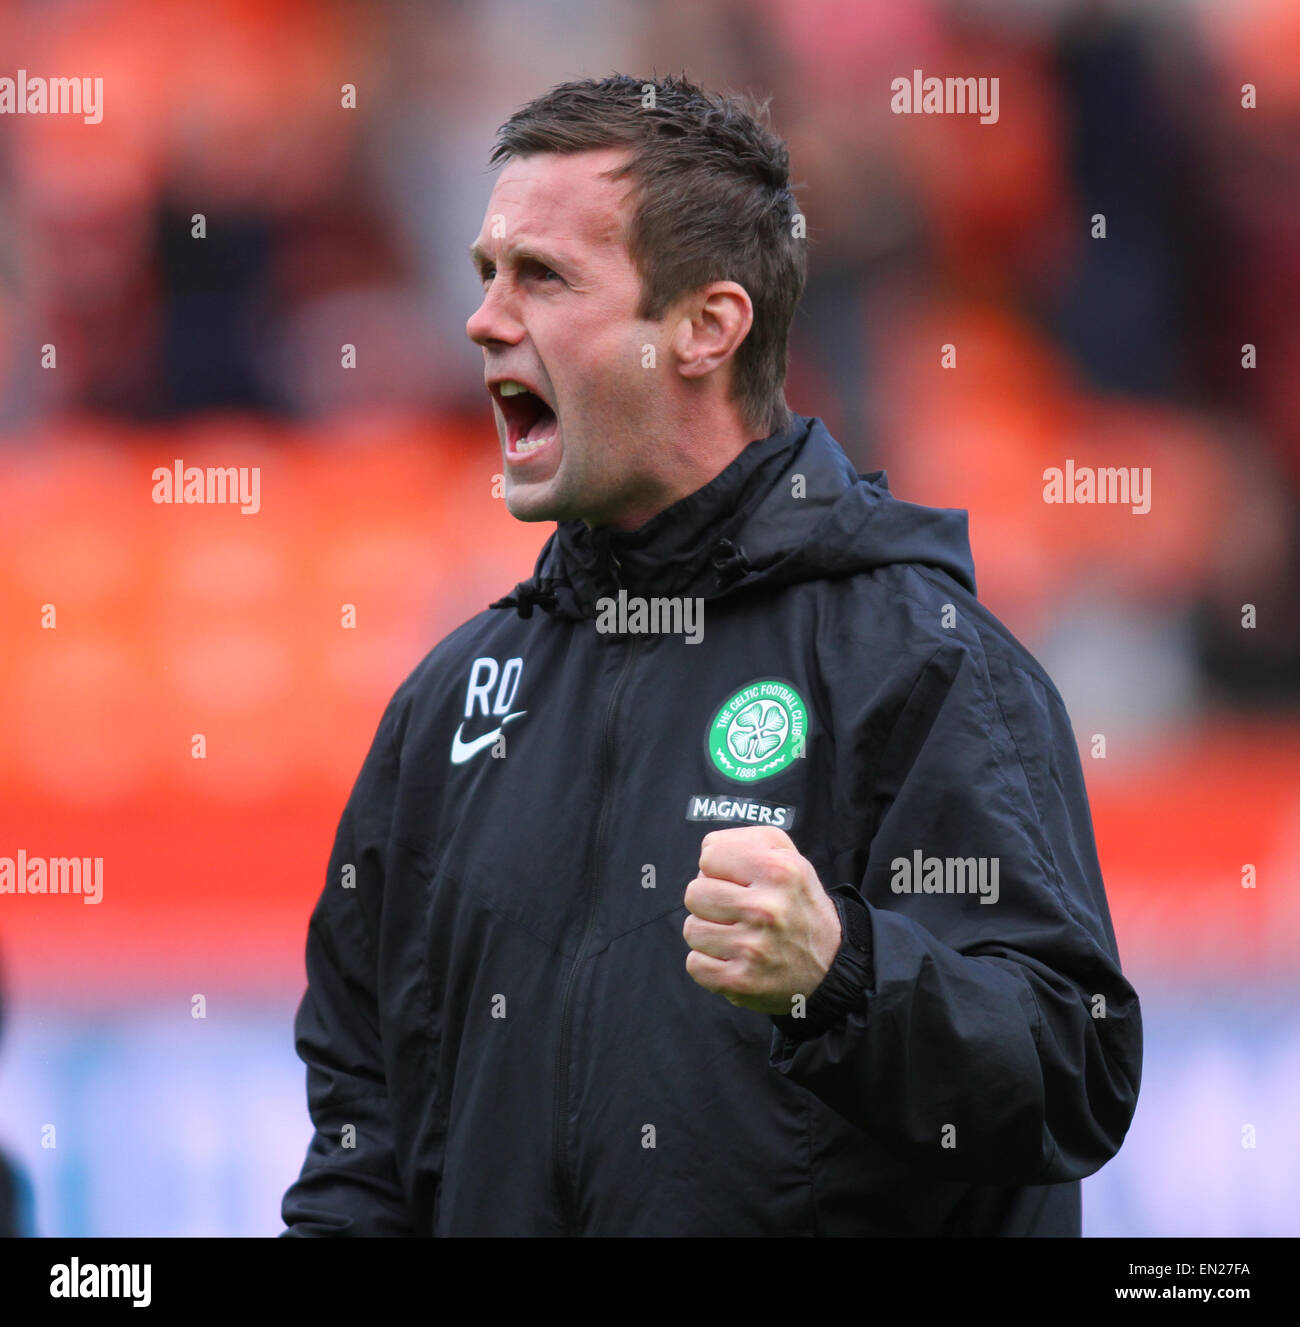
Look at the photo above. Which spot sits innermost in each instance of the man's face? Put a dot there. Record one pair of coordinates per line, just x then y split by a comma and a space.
559, 316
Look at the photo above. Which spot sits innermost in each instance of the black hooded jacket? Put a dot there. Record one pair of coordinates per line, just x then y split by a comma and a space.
500, 1033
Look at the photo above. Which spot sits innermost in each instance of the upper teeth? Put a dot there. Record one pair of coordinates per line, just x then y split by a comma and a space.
509, 388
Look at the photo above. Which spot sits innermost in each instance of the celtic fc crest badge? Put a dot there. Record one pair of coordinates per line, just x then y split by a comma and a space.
758, 731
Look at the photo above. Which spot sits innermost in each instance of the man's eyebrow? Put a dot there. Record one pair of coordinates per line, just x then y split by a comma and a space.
480, 257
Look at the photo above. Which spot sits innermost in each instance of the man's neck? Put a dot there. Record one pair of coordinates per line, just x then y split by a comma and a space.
698, 450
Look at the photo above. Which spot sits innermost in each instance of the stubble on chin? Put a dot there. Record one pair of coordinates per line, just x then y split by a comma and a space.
525, 509
535, 506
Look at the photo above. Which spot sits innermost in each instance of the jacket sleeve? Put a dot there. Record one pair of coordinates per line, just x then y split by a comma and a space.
986, 1038
350, 1182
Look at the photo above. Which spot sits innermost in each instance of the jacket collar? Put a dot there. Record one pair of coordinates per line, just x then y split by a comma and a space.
687, 546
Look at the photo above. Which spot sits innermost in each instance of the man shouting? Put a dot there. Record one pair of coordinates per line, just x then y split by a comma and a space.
789, 926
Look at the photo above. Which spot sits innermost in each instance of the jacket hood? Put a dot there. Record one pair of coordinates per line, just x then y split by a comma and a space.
789, 508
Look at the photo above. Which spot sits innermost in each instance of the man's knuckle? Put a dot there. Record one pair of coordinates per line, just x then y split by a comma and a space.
749, 955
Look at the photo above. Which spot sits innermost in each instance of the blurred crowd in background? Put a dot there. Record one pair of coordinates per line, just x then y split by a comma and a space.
328, 225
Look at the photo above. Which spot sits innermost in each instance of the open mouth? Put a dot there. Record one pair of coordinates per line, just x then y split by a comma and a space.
530, 421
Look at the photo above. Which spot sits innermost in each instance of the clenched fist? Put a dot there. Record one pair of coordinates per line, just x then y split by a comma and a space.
761, 928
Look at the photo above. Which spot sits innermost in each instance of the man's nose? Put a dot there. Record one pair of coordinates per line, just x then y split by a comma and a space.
494, 320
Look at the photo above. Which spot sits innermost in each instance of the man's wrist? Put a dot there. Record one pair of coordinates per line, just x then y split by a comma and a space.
849, 977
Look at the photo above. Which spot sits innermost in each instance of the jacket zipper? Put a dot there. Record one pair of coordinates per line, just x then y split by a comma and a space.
563, 1180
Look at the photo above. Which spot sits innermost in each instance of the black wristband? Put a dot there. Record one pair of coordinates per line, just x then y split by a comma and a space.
853, 917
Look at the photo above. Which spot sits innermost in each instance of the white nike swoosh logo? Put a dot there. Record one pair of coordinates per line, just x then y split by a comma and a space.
462, 751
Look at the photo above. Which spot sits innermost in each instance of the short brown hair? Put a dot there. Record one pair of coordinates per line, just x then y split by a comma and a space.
712, 203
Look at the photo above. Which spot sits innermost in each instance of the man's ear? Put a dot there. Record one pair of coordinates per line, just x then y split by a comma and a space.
712, 323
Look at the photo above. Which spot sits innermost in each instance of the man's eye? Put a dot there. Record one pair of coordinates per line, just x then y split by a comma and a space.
544, 272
